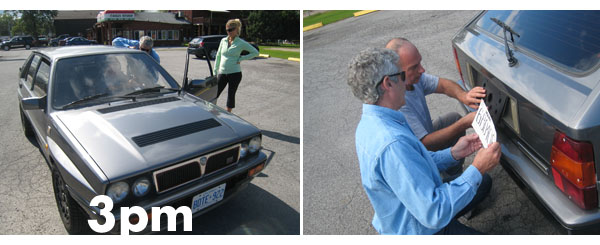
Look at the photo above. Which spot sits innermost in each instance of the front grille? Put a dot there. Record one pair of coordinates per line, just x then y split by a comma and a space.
222, 159
179, 174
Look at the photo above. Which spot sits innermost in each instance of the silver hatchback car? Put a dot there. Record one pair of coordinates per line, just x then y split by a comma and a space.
540, 72
112, 121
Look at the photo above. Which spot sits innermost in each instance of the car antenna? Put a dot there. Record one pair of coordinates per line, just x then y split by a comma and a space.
512, 61
185, 72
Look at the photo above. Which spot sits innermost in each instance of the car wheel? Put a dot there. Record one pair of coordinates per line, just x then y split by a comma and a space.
213, 54
73, 217
26, 125
27, 46
6, 48
54, 44
199, 56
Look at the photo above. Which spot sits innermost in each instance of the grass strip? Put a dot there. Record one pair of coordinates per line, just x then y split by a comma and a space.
328, 17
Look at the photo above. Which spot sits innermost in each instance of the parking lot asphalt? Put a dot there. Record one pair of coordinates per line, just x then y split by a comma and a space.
334, 199
268, 97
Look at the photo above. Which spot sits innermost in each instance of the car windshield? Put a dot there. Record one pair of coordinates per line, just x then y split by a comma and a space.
196, 40
569, 39
112, 74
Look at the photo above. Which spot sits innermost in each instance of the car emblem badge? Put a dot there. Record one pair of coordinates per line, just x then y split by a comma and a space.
203, 161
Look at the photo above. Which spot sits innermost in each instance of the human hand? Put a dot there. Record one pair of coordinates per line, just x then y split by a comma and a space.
465, 146
487, 158
467, 120
473, 97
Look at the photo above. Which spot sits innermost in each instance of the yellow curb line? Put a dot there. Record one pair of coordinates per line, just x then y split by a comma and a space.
294, 59
264, 55
314, 26
359, 13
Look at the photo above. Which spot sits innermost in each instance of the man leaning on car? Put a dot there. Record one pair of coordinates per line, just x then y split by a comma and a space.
400, 176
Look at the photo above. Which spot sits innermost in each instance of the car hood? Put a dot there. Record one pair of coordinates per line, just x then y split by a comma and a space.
109, 137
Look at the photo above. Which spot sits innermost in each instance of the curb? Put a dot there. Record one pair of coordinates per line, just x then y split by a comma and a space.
294, 59
359, 13
314, 26
264, 55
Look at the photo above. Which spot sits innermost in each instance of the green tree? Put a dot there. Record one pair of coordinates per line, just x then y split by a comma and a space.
34, 22
7, 21
271, 25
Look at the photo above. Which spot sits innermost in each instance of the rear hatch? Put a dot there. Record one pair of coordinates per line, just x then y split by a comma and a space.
552, 88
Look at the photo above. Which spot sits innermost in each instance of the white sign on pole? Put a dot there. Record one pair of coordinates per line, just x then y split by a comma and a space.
484, 125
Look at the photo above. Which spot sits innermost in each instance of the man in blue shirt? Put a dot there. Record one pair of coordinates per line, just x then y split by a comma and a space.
400, 176
444, 131
145, 44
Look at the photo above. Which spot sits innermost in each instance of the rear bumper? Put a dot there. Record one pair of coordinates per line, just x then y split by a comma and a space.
541, 189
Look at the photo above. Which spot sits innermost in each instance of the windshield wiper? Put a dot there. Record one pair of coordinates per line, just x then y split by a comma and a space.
86, 99
512, 61
150, 90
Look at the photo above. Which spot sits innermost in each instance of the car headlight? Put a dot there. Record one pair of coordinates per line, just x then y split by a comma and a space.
254, 145
118, 191
244, 150
141, 187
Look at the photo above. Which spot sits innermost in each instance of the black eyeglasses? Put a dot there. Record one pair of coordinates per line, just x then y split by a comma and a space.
402, 77
231, 29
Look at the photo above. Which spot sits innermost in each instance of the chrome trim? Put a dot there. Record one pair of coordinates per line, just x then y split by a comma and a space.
197, 160
533, 158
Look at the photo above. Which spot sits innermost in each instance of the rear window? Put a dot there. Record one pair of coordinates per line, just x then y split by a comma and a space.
569, 39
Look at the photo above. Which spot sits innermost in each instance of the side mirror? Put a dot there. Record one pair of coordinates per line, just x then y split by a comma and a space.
34, 103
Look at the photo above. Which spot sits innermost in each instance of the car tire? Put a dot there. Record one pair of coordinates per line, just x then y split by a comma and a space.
73, 217
26, 125
213, 54
6, 48
199, 56
27, 46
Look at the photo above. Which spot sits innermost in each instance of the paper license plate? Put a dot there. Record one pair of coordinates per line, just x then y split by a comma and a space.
208, 198
484, 125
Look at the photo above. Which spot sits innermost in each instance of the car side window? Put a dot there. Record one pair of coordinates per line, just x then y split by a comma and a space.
32, 70
40, 85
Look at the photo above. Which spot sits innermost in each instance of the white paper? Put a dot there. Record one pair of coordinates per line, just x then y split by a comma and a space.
484, 125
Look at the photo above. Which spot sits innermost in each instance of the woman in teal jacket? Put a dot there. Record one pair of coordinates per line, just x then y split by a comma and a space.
227, 62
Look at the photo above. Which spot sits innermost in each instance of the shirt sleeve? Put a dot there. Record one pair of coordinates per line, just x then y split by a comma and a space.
411, 178
443, 159
414, 123
251, 50
155, 56
218, 58
429, 83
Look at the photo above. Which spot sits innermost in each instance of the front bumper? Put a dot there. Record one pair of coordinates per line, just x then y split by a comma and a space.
235, 176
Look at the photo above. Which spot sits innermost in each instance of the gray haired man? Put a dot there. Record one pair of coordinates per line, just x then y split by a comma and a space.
400, 176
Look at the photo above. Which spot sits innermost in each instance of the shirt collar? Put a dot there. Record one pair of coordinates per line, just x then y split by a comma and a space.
383, 112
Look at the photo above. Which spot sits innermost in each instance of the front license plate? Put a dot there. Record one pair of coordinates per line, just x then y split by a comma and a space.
208, 198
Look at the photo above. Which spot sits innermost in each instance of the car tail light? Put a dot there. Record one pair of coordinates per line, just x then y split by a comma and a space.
458, 64
202, 44
573, 170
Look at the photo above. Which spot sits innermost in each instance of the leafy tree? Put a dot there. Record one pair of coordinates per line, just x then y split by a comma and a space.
34, 22
7, 21
271, 25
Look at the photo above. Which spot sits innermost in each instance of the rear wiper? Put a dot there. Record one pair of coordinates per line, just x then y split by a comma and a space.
512, 61
85, 99
150, 90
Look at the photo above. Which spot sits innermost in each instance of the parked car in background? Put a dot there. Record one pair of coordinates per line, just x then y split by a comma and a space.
41, 41
112, 121
540, 72
211, 44
56, 41
17, 41
79, 41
